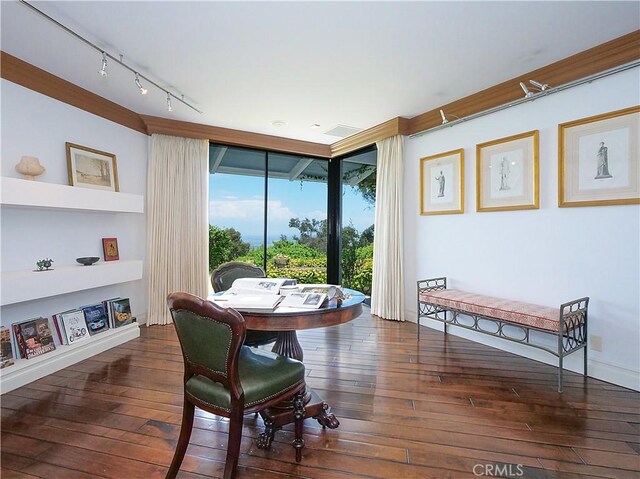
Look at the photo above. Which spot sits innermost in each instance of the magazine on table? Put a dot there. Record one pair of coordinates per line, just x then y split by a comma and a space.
302, 301
331, 290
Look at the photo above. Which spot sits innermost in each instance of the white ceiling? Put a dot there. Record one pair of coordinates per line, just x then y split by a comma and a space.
245, 64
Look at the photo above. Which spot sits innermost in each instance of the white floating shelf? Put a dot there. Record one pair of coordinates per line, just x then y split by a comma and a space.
19, 286
35, 194
25, 371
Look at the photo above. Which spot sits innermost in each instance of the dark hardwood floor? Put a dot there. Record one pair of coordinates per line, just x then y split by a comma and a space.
443, 409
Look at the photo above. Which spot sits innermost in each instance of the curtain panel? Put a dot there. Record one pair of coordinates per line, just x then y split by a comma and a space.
387, 290
177, 223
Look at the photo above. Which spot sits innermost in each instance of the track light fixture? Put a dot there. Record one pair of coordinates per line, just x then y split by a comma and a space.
539, 86
169, 107
143, 90
103, 69
527, 93
107, 56
444, 118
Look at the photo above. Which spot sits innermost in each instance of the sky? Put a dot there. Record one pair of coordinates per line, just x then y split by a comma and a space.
237, 202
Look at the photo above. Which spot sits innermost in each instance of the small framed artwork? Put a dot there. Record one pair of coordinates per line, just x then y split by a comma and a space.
507, 173
110, 249
91, 168
442, 183
598, 160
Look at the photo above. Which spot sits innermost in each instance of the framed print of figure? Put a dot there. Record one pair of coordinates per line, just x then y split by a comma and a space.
442, 183
598, 160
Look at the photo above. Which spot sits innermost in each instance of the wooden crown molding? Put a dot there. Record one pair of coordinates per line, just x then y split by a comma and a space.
624, 49
227, 136
22, 73
619, 51
393, 127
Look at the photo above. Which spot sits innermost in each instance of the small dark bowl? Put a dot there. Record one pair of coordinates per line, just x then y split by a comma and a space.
87, 260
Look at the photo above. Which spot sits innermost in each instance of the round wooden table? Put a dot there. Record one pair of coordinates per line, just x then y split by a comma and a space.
287, 323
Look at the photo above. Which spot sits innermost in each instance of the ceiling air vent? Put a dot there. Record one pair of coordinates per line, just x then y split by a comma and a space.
342, 131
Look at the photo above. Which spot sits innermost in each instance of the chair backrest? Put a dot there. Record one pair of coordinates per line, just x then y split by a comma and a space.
224, 275
210, 338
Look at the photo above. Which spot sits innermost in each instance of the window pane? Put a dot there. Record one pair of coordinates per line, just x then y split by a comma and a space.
297, 218
236, 205
358, 216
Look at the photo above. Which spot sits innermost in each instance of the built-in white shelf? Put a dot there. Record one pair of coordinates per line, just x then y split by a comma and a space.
19, 286
36, 194
25, 371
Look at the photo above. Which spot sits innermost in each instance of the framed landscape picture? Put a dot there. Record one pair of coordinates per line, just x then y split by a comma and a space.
598, 160
442, 183
507, 173
91, 168
110, 249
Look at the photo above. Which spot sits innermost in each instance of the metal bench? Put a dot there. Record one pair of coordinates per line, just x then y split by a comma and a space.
568, 323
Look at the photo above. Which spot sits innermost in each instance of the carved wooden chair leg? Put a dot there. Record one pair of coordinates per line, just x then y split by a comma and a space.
183, 441
233, 446
298, 414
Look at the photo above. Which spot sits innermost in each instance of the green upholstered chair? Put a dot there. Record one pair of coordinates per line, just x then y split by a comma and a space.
223, 277
223, 377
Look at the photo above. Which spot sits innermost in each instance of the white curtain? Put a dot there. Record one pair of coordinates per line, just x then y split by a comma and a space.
177, 225
387, 291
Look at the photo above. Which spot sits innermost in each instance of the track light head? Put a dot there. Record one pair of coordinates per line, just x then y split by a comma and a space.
169, 107
143, 90
527, 93
444, 118
103, 69
539, 86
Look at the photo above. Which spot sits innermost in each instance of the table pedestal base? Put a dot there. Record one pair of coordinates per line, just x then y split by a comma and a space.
278, 416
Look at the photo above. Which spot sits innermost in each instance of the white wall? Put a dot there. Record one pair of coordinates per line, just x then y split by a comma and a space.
36, 125
545, 256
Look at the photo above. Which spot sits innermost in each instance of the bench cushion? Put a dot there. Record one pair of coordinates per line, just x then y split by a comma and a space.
526, 314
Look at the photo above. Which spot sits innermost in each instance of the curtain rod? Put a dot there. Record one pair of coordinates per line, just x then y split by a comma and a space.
565, 86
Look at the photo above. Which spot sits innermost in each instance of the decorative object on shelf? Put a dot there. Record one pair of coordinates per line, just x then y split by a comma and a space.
507, 176
44, 264
88, 260
110, 249
91, 168
599, 160
442, 183
30, 167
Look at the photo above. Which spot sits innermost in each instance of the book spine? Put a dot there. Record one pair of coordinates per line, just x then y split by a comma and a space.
19, 340
55, 323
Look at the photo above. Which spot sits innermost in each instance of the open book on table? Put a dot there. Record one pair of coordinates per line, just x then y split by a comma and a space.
301, 302
253, 294
331, 290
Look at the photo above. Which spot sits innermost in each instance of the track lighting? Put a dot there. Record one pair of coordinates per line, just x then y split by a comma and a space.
169, 107
539, 86
444, 118
143, 90
527, 93
103, 70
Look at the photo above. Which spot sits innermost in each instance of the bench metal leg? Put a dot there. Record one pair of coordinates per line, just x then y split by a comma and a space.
560, 374
584, 373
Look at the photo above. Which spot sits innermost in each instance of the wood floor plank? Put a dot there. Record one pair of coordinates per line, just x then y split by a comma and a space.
434, 409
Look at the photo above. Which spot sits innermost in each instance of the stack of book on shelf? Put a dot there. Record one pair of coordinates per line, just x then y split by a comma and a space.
253, 294
34, 337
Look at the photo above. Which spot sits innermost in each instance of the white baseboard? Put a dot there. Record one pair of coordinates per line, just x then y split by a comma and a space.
610, 373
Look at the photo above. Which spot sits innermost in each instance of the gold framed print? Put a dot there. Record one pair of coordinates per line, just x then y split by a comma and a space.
442, 183
598, 160
91, 168
507, 173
